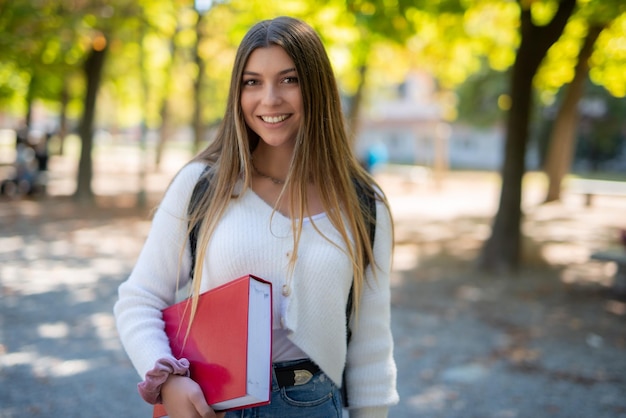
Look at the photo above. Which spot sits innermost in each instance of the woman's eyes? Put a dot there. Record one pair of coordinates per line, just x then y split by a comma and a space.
287, 80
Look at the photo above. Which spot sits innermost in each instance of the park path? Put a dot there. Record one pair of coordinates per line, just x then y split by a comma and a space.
550, 342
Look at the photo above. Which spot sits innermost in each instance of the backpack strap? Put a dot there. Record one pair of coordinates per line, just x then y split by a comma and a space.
201, 187
368, 207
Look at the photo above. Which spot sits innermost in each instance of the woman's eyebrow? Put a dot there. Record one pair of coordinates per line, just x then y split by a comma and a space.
285, 71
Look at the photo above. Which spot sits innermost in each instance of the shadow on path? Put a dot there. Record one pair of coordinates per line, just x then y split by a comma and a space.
549, 341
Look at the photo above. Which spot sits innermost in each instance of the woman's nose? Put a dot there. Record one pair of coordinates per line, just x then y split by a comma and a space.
271, 95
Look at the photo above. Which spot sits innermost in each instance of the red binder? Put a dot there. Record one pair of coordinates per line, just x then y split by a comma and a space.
229, 345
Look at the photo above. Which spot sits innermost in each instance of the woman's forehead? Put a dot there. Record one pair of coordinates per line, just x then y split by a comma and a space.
269, 59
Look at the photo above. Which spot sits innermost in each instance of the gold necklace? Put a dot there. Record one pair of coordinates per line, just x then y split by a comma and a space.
267, 176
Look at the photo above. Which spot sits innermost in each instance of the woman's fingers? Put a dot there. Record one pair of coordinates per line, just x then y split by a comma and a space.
200, 404
183, 398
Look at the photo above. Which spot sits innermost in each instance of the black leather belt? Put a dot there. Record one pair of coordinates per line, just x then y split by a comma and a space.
298, 374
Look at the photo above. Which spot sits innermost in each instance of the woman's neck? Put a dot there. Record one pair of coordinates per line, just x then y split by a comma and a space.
271, 163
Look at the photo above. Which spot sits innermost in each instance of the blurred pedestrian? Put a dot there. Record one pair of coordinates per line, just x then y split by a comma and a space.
283, 203
377, 156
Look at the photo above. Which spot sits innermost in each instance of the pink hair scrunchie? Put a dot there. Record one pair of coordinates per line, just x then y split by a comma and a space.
150, 388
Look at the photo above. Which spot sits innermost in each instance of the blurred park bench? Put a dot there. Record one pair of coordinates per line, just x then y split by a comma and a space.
590, 188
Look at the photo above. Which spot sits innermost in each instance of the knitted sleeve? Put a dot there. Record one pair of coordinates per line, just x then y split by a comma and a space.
371, 369
159, 271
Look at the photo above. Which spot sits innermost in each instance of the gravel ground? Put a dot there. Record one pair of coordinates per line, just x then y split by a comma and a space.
549, 341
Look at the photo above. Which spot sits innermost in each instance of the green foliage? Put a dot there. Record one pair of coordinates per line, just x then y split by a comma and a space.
466, 45
498, 45
36, 47
482, 99
608, 59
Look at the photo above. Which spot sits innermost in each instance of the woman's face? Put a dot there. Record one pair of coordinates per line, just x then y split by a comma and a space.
271, 99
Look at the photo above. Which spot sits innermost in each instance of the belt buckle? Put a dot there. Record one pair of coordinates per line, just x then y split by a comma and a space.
301, 377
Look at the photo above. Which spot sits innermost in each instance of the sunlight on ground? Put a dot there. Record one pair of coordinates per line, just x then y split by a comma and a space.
405, 257
104, 325
454, 220
45, 276
65, 258
564, 253
11, 244
565, 234
17, 358
48, 366
45, 366
68, 367
434, 398
53, 330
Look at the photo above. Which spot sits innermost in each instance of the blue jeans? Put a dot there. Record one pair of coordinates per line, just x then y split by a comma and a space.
318, 398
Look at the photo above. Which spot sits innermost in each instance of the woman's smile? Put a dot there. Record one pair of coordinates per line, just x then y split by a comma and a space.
274, 119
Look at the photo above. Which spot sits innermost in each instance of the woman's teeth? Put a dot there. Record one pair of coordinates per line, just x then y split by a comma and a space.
274, 119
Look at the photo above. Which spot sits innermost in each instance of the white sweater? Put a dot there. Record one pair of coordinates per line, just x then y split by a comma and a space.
249, 240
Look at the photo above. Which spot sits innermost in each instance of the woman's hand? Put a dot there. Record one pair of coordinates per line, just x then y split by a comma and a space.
183, 398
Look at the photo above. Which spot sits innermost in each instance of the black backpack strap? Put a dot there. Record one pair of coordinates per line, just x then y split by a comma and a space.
201, 187
368, 207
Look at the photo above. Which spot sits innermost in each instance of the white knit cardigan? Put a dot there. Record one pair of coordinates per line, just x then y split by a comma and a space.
252, 239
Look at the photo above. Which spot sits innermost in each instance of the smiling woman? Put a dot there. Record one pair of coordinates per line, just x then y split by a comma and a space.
287, 201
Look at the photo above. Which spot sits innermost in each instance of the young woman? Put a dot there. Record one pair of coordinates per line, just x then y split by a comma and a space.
282, 205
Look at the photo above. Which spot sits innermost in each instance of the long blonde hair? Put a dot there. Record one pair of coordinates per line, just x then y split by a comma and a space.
322, 155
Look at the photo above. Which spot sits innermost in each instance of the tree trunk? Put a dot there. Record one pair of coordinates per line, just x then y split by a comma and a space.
354, 112
143, 148
30, 101
93, 73
501, 252
198, 127
563, 137
165, 106
164, 134
62, 132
